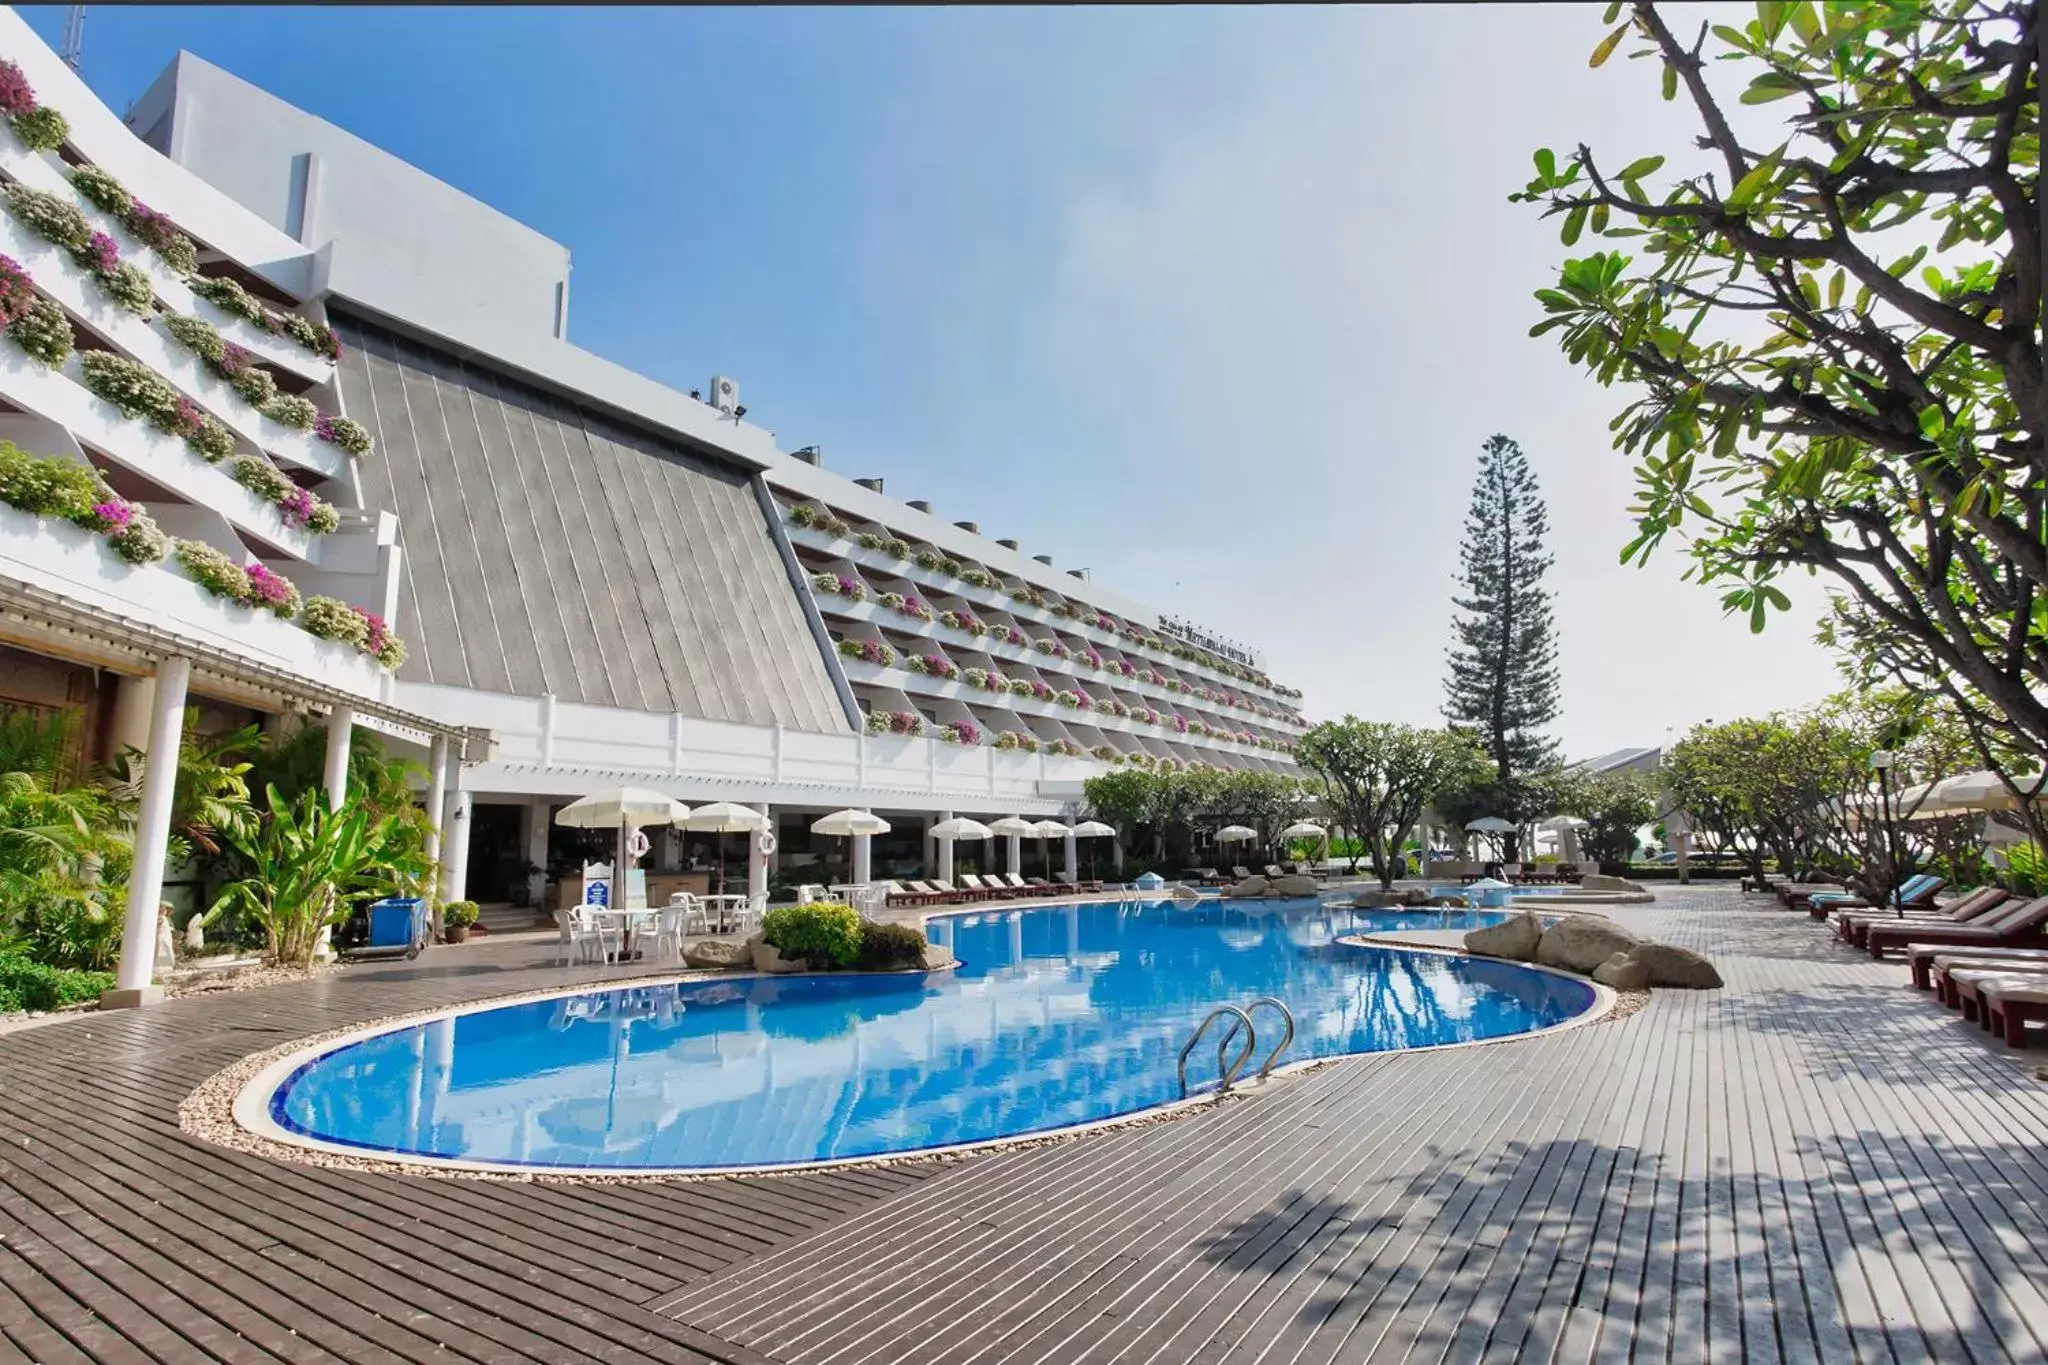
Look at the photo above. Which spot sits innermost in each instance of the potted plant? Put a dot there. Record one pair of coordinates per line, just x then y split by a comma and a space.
456, 917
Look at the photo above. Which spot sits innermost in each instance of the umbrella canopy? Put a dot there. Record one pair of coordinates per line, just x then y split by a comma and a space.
1979, 791
1093, 829
1303, 829
1050, 829
1558, 823
1012, 824
1490, 824
850, 822
725, 817
622, 808
959, 827
1233, 833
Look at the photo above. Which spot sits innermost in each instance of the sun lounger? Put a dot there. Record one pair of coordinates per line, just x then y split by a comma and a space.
1209, 876
916, 893
1013, 881
1274, 871
1794, 894
2007, 926
1955, 978
1922, 957
990, 888
1851, 925
1241, 873
2011, 1004
1918, 892
1050, 888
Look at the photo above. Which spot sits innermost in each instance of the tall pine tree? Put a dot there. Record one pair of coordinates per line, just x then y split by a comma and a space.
1503, 682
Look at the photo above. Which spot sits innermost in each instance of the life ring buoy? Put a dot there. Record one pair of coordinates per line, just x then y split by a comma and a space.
637, 844
765, 842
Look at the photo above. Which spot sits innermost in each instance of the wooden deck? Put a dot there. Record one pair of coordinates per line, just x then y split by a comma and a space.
1816, 1164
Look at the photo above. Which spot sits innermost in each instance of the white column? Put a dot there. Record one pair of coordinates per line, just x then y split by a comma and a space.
130, 728
945, 858
757, 861
1015, 852
341, 723
437, 794
152, 832
862, 852
1072, 866
455, 867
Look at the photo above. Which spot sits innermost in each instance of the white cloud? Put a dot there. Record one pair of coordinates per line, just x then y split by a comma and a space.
1299, 327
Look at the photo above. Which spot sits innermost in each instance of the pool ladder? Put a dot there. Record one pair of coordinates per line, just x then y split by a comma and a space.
1229, 1067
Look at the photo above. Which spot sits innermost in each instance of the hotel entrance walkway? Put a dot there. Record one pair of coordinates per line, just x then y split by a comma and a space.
1815, 1164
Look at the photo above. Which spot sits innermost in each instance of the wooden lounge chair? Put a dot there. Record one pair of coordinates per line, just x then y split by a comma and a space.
1917, 894
957, 893
1013, 881
1050, 888
2011, 1003
2009, 926
1241, 873
1794, 894
1209, 876
1850, 925
915, 893
1923, 957
991, 888
1274, 870
1955, 977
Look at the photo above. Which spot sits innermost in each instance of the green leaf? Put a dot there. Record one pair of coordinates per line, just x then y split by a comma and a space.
1753, 183
1613, 12
1670, 81
1607, 46
1933, 422
1574, 224
1771, 85
1835, 289
1640, 167
1546, 164
1805, 22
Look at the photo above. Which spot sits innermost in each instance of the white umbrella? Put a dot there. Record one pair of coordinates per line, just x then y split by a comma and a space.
1558, 823
1233, 833
723, 818
959, 827
1093, 829
1303, 829
1012, 824
1047, 829
1490, 824
623, 809
1979, 791
848, 823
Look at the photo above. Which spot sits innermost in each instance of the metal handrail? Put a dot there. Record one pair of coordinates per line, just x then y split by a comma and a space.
1225, 1073
1286, 1039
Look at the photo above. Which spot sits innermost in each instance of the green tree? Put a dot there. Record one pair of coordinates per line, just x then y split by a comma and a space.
1503, 666
1377, 778
1614, 806
1831, 330
1124, 799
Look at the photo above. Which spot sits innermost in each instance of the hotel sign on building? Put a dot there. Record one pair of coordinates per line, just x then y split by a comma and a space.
1173, 628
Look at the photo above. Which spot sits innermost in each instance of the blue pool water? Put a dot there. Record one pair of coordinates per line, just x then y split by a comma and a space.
1056, 1016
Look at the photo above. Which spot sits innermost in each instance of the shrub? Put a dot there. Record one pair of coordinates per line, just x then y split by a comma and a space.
140, 540
269, 592
212, 570
961, 732
128, 284
889, 947
230, 297
26, 985
156, 231
211, 441
131, 386
47, 487
351, 436
42, 129
330, 618
288, 410
16, 95
316, 337
17, 291
44, 331
877, 723
197, 335
803, 514
460, 914
245, 376
55, 220
980, 578
814, 929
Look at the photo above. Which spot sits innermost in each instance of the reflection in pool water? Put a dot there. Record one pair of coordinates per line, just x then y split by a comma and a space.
1056, 1016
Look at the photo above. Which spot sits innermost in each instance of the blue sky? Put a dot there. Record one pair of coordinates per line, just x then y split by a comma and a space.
1220, 303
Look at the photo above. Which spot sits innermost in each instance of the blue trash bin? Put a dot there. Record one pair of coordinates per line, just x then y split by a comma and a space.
394, 923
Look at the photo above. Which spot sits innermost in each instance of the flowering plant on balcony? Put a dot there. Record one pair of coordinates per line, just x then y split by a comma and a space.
228, 296
1171, 765
980, 578
840, 585
213, 571
1065, 748
347, 434
1155, 677
1025, 593
1067, 610
1068, 697
906, 723
40, 128
16, 95
270, 592
1125, 668
1104, 621
1113, 707
17, 290
875, 722
868, 651
964, 621
1107, 753
1093, 657
1011, 739
931, 561
881, 544
961, 732
915, 606
44, 331
932, 665
988, 680
289, 410
1050, 646
155, 230
1180, 724
1040, 689
297, 505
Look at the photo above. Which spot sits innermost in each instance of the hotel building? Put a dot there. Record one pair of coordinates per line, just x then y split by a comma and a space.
597, 580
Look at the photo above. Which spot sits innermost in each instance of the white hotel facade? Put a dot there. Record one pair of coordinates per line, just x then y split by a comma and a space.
598, 580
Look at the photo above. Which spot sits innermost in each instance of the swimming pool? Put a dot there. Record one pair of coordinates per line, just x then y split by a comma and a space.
1056, 1016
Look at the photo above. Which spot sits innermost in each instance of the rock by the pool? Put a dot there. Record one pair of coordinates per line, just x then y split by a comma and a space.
1294, 884
1679, 968
1378, 900
1250, 886
1623, 973
718, 953
1415, 896
937, 956
1450, 902
1580, 943
769, 958
1596, 881
1515, 940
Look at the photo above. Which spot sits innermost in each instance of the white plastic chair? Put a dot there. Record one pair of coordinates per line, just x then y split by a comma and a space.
809, 892
590, 937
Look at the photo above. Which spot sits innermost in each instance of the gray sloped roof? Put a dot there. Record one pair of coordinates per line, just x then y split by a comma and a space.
549, 549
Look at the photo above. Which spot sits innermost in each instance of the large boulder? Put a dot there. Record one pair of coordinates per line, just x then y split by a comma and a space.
1682, 968
1596, 881
1515, 940
1623, 973
769, 958
1250, 886
718, 953
1415, 896
937, 957
1579, 943
1450, 902
1294, 884
1377, 900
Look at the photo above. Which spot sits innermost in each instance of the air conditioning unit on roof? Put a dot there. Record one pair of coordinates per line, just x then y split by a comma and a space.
723, 394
